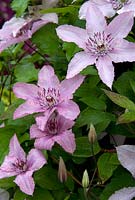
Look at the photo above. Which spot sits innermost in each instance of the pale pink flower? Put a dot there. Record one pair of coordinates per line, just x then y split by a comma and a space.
101, 43
126, 156
108, 7
57, 129
48, 95
17, 164
19, 29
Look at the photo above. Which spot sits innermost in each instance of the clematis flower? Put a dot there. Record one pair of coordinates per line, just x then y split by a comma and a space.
48, 95
126, 156
101, 43
56, 130
108, 7
16, 164
19, 29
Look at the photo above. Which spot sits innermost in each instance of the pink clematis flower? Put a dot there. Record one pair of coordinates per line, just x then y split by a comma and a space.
19, 29
16, 164
108, 7
101, 43
48, 96
56, 130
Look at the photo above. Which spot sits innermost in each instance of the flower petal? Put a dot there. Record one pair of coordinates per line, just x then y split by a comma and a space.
15, 149
80, 61
105, 70
95, 21
35, 160
25, 90
69, 110
29, 107
46, 142
119, 28
123, 194
128, 7
35, 132
66, 140
126, 156
69, 33
64, 124
47, 78
123, 51
25, 182
69, 86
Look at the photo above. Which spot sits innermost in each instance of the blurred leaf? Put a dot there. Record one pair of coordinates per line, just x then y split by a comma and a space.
40, 194
132, 83
120, 100
90, 115
107, 163
127, 117
85, 151
19, 195
71, 49
60, 10
90, 70
121, 179
47, 178
19, 6
26, 72
7, 182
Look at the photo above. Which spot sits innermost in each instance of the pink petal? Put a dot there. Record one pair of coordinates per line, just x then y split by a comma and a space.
66, 140
25, 182
15, 149
123, 194
64, 124
45, 19
105, 70
29, 107
47, 78
120, 28
69, 33
35, 160
128, 7
126, 156
123, 51
69, 86
7, 168
95, 21
83, 10
25, 90
46, 142
42, 120
80, 61
69, 110
35, 132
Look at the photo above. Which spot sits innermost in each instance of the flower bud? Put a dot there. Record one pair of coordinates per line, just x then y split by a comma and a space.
62, 172
92, 136
85, 179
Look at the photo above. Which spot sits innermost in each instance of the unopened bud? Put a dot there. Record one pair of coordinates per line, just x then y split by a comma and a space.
62, 172
92, 136
85, 179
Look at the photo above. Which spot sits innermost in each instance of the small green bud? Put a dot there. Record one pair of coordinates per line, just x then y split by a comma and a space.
62, 172
85, 179
92, 136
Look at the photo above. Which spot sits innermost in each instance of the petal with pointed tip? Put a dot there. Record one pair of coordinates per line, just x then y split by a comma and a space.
69, 33
105, 70
80, 61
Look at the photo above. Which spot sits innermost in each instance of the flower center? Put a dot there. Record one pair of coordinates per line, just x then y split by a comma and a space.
118, 4
52, 124
99, 44
48, 98
20, 166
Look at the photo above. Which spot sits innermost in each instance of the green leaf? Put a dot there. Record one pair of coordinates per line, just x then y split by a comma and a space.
127, 117
120, 100
90, 115
84, 148
71, 49
40, 194
47, 178
19, 6
19, 195
122, 178
71, 9
7, 182
90, 70
107, 163
26, 72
